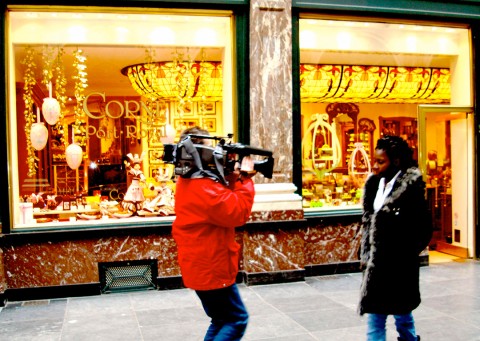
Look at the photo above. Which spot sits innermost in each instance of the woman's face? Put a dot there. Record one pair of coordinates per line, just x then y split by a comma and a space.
382, 162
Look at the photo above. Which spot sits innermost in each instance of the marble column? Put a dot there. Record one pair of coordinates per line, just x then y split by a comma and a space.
271, 83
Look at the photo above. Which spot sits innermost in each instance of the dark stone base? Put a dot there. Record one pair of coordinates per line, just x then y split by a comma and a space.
332, 268
42, 293
274, 277
168, 283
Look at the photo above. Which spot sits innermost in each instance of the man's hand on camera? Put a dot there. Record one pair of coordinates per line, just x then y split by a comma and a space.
242, 171
247, 168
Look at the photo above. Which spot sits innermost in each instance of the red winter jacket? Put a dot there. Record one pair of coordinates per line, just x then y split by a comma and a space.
207, 213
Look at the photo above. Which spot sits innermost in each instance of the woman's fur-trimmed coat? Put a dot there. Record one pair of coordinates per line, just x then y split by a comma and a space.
392, 239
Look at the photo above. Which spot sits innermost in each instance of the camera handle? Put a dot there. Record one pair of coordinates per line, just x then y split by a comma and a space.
190, 149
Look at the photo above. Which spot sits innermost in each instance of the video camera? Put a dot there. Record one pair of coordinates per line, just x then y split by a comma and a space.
194, 160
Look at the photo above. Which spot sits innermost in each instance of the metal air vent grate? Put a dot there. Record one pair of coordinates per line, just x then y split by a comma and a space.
129, 275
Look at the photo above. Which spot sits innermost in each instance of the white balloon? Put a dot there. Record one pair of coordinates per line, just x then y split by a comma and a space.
51, 110
38, 135
74, 155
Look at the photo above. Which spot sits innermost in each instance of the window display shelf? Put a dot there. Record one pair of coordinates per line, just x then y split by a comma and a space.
65, 212
102, 223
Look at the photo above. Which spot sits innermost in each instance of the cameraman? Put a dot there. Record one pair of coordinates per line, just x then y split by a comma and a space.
207, 213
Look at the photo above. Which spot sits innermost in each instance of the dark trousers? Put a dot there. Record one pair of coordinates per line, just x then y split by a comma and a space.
228, 314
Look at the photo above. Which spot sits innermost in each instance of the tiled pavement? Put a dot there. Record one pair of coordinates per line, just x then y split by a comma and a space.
321, 308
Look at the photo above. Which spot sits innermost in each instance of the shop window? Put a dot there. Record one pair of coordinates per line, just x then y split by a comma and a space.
360, 81
94, 97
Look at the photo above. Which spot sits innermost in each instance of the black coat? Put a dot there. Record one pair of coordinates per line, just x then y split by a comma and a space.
392, 239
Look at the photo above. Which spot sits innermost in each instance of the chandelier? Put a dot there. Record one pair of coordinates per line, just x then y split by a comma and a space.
373, 84
192, 81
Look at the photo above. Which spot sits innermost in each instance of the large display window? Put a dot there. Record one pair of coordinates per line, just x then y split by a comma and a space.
94, 96
363, 80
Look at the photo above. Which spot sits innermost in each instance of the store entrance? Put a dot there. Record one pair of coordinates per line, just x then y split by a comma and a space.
446, 160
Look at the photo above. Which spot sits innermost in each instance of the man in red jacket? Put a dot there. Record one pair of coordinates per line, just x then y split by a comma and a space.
207, 212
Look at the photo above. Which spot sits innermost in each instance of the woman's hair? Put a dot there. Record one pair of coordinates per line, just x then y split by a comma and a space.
194, 131
397, 148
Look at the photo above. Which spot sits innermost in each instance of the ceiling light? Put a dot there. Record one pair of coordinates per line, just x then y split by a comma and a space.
193, 81
373, 84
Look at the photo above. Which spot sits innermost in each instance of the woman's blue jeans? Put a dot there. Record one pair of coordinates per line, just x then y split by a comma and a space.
229, 317
404, 323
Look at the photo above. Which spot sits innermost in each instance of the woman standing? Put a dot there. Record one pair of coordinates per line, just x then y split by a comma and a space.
396, 227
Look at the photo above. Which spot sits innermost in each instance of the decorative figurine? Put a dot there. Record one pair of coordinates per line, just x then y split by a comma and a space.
37, 200
164, 202
134, 197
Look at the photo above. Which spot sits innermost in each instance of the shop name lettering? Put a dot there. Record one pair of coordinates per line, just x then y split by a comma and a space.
129, 110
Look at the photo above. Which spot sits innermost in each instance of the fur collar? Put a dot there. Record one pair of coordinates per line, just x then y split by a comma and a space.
405, 179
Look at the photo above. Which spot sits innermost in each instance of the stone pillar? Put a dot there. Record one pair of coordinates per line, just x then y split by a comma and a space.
271, 83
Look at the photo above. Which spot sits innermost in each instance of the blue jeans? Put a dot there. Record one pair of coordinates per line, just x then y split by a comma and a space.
229, 317
404, 323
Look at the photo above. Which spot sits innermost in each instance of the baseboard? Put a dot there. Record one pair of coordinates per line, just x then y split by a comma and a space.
332, 268
274, 277
169, 283
51, 292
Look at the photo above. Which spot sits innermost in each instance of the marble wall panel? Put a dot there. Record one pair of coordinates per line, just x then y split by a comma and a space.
331, 243
76, 262
276, 250
271, 82
273, 250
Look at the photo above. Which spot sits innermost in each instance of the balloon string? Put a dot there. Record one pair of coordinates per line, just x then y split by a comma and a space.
50, 89
38, 115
